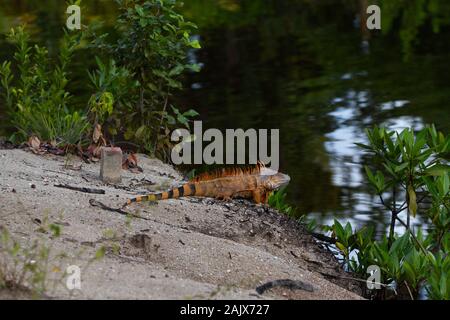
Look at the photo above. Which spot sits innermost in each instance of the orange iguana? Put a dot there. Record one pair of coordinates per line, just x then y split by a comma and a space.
253, 183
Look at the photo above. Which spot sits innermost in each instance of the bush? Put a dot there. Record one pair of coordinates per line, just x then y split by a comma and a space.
278, 201
37, 101
152, 46
405, 164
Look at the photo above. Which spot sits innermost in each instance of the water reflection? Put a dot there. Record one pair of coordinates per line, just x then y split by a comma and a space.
314, 83
346, 158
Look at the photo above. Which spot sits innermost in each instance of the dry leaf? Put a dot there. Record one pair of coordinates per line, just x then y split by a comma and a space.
94, 150
34, 143
130, 162
97, 134
412, 201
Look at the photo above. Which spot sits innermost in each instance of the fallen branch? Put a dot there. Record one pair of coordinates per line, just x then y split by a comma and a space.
96, 203
287, 283
103, 206
81, 189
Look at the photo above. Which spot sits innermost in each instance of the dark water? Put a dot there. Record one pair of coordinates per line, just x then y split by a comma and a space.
298, 66
302, 68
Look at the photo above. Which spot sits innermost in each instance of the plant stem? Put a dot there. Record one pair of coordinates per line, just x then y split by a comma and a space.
393, 217
160, 122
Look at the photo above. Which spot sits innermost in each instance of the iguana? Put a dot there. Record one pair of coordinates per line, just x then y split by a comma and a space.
252, 183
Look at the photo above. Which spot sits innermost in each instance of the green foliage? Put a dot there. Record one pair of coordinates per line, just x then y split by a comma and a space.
277, 200
406, 164
438, 278
413, 15
152, 45
27, 266
344, 236
37, 100
34, 266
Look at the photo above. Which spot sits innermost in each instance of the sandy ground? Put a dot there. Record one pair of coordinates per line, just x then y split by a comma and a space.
184, 249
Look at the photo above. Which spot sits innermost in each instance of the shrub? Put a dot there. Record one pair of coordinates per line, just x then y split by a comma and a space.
405, 164
37, 100
278, 201
152, 45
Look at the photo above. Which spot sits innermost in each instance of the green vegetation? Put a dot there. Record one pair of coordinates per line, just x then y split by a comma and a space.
37, 100
25, 266
151, 51
410, 174
278, 201
33, 267
412, 177
412, 16
132, 90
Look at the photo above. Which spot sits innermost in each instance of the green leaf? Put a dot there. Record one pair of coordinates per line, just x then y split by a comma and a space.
380, 181
174, 84
191, 113
170, 119
195, 44
100, 253
194, 67
443, 285
437, 170
139, 10
342, 248
339, 230
409, 272
152, 87
183, 120
401, 167
143, 22
363, 146
348, 230
370, 175
56, 230
176, 70
140, 132
444, 185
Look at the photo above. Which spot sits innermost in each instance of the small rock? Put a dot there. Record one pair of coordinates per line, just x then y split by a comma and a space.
111, 165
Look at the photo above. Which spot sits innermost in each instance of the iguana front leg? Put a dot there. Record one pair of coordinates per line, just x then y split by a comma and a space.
260, 196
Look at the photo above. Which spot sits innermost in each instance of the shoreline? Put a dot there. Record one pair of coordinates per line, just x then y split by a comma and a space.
189, 248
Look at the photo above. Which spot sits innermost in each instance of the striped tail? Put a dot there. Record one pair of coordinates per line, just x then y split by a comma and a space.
185, 190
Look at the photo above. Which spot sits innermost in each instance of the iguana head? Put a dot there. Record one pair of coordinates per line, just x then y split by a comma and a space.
276, 181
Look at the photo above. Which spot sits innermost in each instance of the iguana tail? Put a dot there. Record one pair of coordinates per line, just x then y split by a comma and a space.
185, 190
